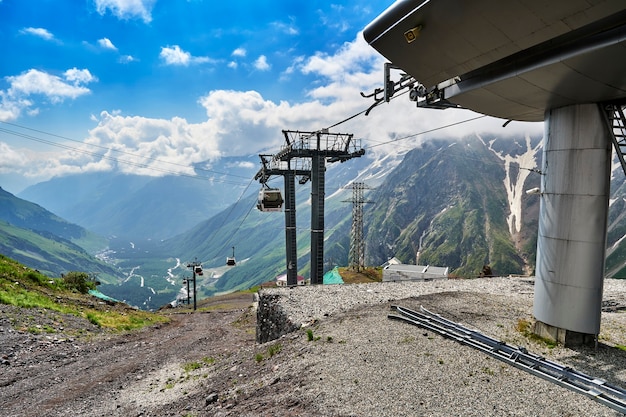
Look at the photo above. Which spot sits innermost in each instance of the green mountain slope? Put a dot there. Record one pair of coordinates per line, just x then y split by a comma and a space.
41, 240
50, 254
28, 215
56, 298
445, 204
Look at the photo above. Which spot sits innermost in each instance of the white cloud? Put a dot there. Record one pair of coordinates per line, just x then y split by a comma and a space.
286, 28
77, 76
19, 96
125, 59
261, 63
10, 159
176, 56
233, 65
240, 52
127, 9
242, 164
106, 44
137, 140
243, 122
39, 32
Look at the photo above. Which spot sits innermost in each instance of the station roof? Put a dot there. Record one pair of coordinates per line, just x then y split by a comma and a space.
512, 59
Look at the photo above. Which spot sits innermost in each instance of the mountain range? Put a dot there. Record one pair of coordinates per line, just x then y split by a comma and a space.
35, 237
459, 203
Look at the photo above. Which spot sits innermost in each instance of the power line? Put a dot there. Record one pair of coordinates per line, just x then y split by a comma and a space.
427, 131
51, 143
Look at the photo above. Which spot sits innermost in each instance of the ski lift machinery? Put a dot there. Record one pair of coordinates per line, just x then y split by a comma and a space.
270, 199
230, 261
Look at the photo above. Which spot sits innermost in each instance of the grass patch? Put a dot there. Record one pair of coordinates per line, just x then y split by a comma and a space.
271, 351
195, 365
274, 349
310, 336
123, 321
93, 319
525, 328
192, 366
208, 360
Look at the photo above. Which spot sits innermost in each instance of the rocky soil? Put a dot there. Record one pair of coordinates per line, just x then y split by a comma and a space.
349, 360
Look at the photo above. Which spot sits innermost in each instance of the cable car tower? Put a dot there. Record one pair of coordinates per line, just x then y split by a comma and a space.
317, 148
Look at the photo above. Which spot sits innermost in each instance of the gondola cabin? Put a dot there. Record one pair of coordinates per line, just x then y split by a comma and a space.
270, 199
198, 270
230, 260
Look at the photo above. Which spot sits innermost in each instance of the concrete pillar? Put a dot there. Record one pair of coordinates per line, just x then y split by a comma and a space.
572, 222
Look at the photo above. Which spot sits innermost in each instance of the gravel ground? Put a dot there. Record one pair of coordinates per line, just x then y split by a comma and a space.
359, 363
364, 364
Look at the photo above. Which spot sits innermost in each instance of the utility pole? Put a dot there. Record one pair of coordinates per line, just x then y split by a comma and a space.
193, 265
356, 258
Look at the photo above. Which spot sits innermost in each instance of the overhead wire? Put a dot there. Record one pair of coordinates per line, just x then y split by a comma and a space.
427, 131
149, 158
232, 208
146, 166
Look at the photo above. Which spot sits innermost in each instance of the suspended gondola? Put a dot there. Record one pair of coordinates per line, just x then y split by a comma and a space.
230, 260
198, 270
270, 199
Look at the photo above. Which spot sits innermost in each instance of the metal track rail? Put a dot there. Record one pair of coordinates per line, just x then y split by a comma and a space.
597, 389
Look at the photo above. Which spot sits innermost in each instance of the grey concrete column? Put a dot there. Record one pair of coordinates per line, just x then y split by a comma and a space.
572, 220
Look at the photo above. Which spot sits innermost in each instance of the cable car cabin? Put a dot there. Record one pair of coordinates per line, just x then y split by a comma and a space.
270, 199
198, 270
230, 261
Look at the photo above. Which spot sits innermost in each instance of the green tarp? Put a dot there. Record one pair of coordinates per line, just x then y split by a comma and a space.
101, 296
333, 277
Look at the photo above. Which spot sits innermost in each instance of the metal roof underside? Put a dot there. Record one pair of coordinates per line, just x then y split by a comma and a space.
512, 59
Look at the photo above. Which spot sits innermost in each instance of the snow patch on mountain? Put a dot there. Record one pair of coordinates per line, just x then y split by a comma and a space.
517, 169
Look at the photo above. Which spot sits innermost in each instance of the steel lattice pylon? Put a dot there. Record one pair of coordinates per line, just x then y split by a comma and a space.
356, 257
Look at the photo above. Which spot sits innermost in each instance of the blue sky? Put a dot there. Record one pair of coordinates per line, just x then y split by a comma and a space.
182, 82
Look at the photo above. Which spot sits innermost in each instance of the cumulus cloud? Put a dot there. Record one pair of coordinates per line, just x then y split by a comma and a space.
243, 122
82, 76
150, 146
106, 44
39, 32
261, 63
10, 159
127, 9
31, 85
239, 52
175, 56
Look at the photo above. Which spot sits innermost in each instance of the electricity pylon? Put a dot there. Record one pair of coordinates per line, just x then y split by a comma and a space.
356, 257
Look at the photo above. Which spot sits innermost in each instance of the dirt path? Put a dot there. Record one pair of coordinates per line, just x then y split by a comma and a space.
159, 371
